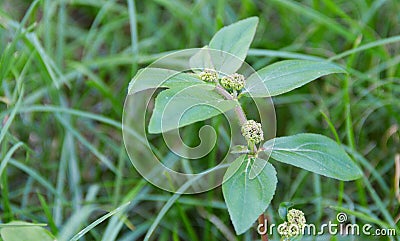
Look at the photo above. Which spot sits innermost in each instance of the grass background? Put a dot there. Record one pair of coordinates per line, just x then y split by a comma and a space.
64, 71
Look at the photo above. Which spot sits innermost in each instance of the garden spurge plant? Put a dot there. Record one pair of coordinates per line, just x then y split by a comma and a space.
250, 181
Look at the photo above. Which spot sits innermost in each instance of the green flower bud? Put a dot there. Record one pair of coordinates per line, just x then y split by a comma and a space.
283, 229
297, 217
296, 221
234, 81
288, 230
209, 75
238, 81
226, 82
252, 131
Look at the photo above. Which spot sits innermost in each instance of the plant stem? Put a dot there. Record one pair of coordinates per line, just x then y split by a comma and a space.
239, 113
253, 149
238, 109
261, 219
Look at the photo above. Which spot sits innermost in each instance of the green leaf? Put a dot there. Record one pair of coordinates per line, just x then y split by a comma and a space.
156, 77
239, 149
315, 153
247, 198
18, 230
283, 209
235, 38
175, 108
202, 59
287, 75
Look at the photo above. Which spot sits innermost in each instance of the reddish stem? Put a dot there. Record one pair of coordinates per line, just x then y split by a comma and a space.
261, 221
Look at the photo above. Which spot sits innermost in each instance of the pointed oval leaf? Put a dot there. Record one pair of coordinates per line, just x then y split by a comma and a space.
235, 38
148, 78
175, 108
247, 198
315, 153
202, 60
19, 230
287, 75
209, 58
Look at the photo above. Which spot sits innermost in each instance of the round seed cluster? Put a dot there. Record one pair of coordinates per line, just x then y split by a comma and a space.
209, 75
294, 226
252, 131
234, 81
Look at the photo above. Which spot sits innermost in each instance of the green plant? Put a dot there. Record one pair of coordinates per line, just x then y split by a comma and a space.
64, 142
250, 181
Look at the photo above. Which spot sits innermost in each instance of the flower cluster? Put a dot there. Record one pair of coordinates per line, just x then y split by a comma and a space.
234, 81
294, 224
288, 230
252, 131
296, 216
209, 75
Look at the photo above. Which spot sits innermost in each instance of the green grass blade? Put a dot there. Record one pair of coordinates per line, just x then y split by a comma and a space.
107, 162
47, 212
374, 44
316, 16
35, 175
8, 156
10, 119
81, 233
